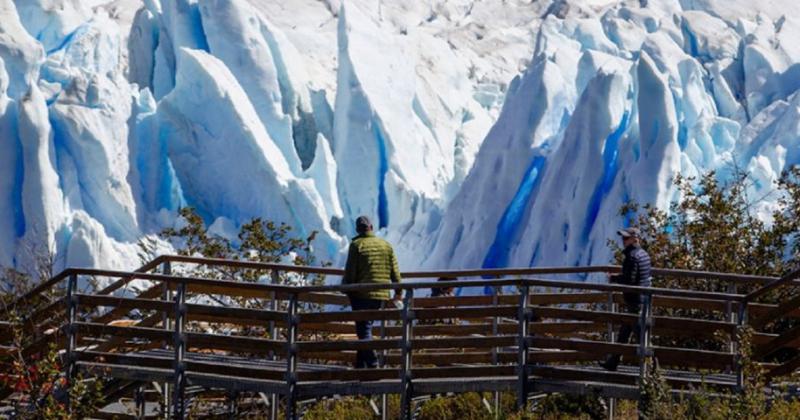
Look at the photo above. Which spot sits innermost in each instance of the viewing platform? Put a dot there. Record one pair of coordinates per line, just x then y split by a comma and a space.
176, 339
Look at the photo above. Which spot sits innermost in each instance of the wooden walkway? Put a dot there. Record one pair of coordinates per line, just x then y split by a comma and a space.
177, 339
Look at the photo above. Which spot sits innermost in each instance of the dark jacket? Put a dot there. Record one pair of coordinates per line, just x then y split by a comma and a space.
635, 272
371, 260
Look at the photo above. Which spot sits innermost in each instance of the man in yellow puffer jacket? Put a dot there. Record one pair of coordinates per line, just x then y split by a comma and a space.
370, 260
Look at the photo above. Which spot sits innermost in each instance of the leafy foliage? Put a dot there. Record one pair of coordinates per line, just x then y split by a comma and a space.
33, 370
41, 389
356, 408
258, 241
713, 227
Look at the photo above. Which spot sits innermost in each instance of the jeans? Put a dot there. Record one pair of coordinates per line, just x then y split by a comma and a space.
365, 358
625, 332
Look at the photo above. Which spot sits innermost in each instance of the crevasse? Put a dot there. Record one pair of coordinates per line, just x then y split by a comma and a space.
509, 226
610, 167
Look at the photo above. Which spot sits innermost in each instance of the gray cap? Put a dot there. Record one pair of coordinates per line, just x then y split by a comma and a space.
363, 224
630, 232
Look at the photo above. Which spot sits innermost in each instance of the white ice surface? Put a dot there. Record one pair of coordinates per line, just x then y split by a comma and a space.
475, 133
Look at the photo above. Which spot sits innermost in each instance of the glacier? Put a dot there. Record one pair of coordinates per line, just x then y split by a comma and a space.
474, 133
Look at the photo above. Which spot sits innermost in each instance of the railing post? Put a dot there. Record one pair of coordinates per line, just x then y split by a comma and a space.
644, 336
273, 334
72, 337
140, 402
611, 307
179, 343
407, 391
233, 404
731, 316
522, 349
382, 363
166, 296
291, 358
741, 322
495, 355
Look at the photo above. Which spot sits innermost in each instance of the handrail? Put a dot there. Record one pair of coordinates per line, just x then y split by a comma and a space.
530, 282
41, 287
772, 282
409, 285
794, 275
497, 273
777, 313
181, 279
250, 264
143, 269
49, 283
488, 272
733, 277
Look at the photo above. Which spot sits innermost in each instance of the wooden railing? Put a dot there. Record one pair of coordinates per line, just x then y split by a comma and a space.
295, 342
789, 338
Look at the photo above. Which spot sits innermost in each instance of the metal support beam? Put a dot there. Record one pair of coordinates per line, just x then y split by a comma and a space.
291, 358
731, 316
141, 403
166, 296
272, 305
179, 343
233, 405
495, 360
611, 307
407, 391
741, 322
381, 363
72, 335
644, 351
522, 349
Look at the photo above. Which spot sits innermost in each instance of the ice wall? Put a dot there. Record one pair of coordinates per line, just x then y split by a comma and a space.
473, 133
673, 87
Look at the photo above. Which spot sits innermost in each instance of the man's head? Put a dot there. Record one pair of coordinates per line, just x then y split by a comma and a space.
444, 291
630, 236
363, 225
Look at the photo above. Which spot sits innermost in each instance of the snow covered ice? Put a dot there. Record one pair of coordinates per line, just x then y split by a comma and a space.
475, 133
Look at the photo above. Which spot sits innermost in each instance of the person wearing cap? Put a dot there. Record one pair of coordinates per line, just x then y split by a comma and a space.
370, 260
441, 292
635, 272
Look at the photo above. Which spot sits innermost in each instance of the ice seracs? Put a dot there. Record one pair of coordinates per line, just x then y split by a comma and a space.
223, 157
42, 200
474, 133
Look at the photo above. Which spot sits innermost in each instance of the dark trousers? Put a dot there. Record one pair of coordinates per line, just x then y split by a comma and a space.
365, 358
625, 331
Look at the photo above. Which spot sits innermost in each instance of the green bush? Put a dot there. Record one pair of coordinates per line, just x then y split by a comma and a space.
41, 390
464, 406
355, 408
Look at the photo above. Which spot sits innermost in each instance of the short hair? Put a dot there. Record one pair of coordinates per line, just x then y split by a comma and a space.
443, 291
363, 224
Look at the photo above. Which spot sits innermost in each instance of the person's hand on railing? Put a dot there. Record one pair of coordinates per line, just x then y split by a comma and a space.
397, 300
